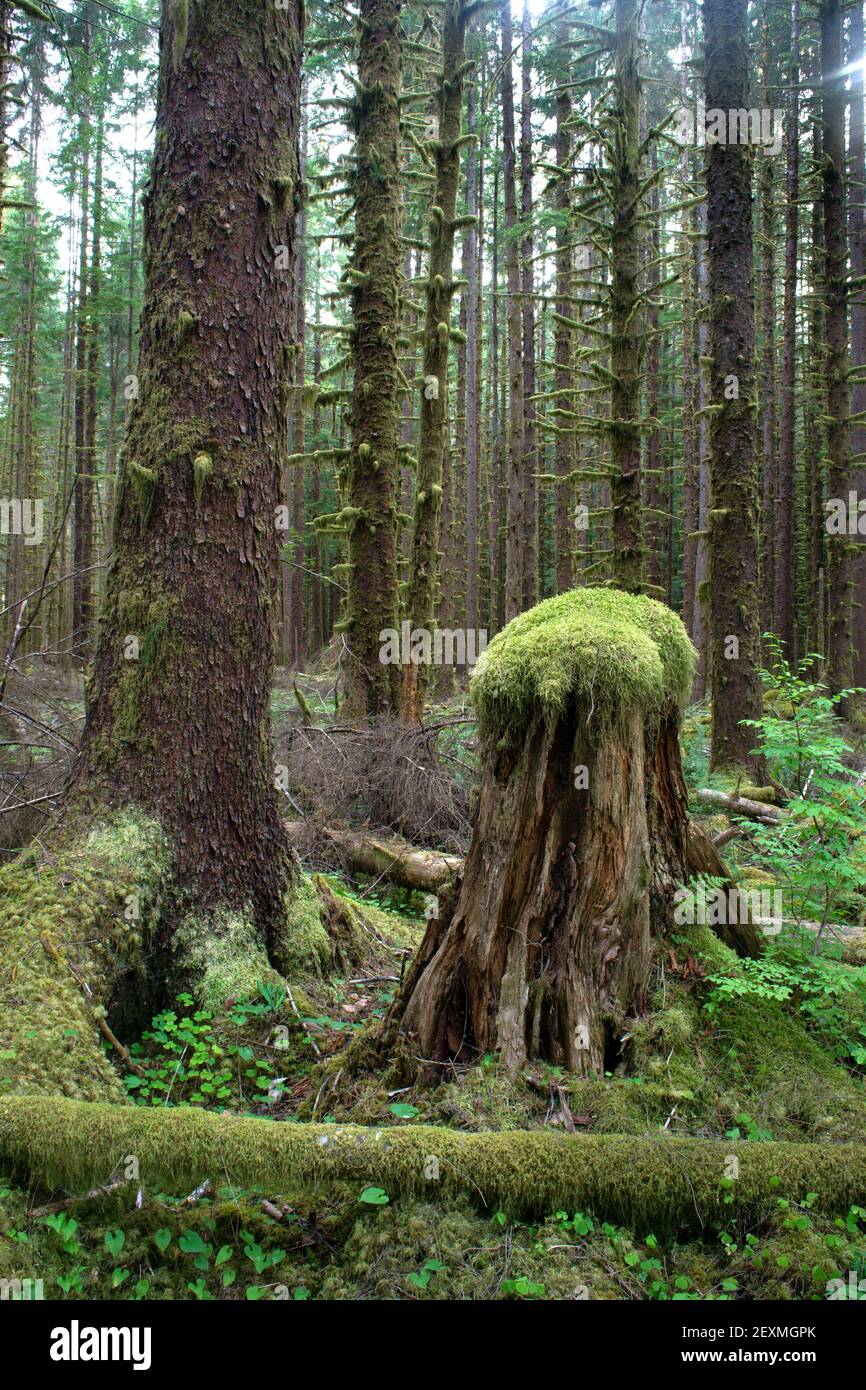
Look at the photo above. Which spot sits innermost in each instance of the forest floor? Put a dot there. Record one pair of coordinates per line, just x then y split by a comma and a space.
710, 1059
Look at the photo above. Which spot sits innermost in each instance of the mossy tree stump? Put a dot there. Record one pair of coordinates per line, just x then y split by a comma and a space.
581, 838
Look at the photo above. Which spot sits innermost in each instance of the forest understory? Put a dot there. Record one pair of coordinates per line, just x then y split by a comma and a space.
766, 1070
433, 652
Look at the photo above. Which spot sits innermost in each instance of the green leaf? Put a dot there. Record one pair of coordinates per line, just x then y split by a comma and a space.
191, 1243
374, 1197
114, 1241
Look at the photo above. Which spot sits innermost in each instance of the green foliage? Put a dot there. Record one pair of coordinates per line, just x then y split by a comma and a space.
188, 1060
817, 854
828, 995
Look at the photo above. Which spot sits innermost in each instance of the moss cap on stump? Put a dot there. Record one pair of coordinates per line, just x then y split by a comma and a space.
612, 652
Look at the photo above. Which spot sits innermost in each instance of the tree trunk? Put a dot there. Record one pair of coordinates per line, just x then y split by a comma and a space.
179, 712
769, 457
530, 460
433, 443
562, 333
734, 539
82, 614
470, 256
625, 323
515, 563
857, 235
580, 839
788, 423
375, 278
840, 666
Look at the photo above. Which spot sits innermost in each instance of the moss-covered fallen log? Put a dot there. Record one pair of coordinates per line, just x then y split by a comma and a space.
648, 1183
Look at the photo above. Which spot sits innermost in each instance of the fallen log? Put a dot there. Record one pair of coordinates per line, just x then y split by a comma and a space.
740, 805
386, 857
658, 1182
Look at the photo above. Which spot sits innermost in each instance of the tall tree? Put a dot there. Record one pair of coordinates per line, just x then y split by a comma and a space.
626, 338
437, 335
370, 517
840, 669
857, 237
734, 539
178, 720
515, 544
784, 578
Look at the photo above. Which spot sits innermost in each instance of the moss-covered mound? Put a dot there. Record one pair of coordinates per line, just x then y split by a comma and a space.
70, 922
613, 652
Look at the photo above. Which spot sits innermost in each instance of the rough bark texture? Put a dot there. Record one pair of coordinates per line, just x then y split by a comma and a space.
784, 557
545, 949
734, 540
178, 720
840, 669
424, 560
625, 323
371, 516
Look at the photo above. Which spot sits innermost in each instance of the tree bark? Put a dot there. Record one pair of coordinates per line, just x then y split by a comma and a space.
178, 721
857, 237
515, 562
840, 666
433, 443
784, 578
370, 518
734, 537
626, 335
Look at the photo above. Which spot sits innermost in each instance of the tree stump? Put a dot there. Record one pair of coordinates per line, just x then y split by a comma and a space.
544, 947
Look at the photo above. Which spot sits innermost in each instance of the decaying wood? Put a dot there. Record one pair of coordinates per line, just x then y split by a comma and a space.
544, 946
740, 805
391, 858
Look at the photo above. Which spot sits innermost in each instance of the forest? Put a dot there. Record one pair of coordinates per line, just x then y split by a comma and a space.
432, 654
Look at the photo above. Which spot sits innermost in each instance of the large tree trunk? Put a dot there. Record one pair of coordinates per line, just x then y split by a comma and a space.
423, 592
171, 835
375, 277
840, 660
580, 840
734, 538
178, 720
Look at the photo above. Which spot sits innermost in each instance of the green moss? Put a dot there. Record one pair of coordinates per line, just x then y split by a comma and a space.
144, 483
78, 914
613, 652
303, 947
180, 30
222, 955
202, 471
662, 1182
